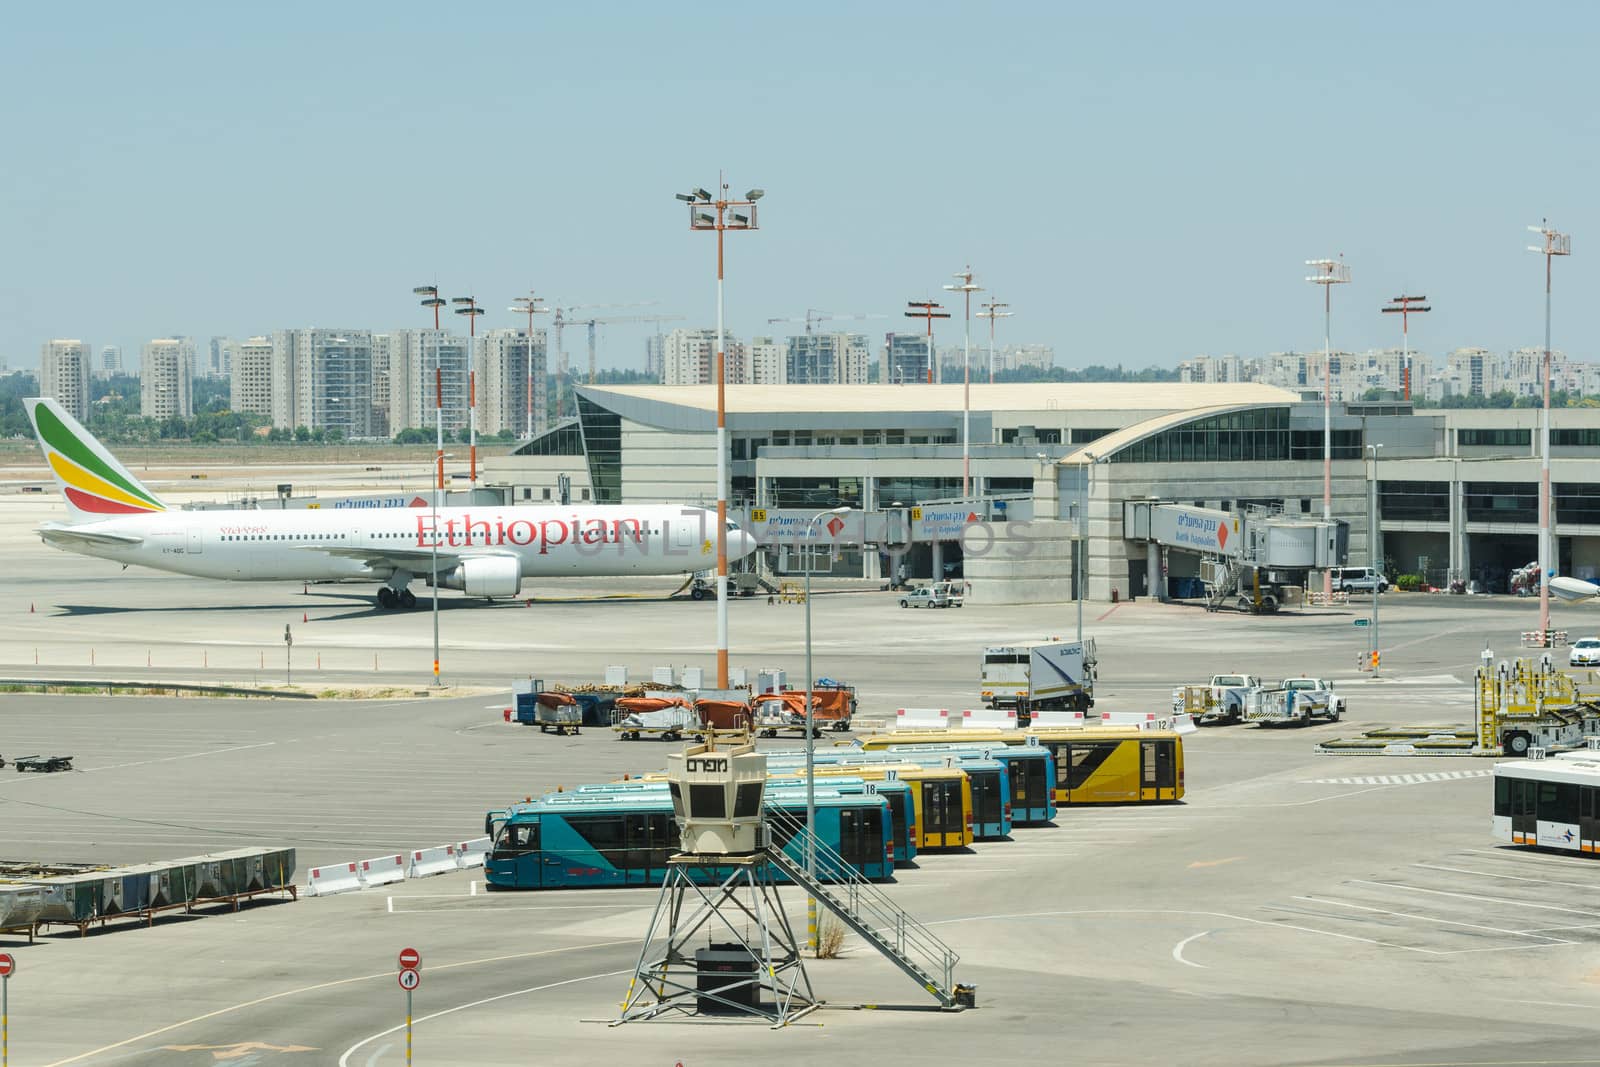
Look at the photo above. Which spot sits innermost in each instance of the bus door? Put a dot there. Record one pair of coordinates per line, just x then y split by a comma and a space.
638, 849
1158, 774
987, 803
1524, 812
514, 861
943, 817
1588, 818
861, 837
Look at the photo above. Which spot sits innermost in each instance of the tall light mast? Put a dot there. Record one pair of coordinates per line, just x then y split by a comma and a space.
1555, 244
1329, 272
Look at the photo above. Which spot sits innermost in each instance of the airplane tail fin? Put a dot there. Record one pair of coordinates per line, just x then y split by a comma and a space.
94, 484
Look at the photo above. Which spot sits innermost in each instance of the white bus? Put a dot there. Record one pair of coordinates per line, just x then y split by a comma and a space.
1551, 802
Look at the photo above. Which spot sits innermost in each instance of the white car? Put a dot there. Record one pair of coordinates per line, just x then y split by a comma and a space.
925, 597
1585, 653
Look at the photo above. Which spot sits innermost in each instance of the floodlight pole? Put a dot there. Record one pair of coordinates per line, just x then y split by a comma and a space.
700, 220
529, 305
1555, 244
1330, 272
991, 311
471, 310
1373, 556
1405, 307
966, 289
431, 299
811, 731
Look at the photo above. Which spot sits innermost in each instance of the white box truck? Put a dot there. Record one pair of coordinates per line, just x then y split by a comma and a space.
1047, 675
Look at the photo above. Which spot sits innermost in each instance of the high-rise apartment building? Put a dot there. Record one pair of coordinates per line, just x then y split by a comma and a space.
322, 380
382, 345
769, 361
827, 359
110, 361
511, 383
689, 357
905, 359
413, 357
250, 365
166, 373
218, 356
64, 369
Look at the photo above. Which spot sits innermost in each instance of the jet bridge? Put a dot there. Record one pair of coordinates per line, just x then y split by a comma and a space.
1246, 559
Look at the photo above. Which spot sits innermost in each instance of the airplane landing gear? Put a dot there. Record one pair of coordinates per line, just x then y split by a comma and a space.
389, 599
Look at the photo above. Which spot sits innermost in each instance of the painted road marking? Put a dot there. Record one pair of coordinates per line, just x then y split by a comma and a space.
1401, 779
1177, 950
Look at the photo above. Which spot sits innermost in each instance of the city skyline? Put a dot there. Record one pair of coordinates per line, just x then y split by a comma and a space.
1164, 174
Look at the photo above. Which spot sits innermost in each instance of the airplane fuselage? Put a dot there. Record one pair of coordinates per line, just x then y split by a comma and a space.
374, 543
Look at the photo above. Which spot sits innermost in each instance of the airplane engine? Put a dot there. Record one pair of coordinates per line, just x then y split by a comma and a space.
1573, 588
486, 576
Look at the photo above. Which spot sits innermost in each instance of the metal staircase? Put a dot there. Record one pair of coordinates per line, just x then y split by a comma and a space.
867, 909
1221, 577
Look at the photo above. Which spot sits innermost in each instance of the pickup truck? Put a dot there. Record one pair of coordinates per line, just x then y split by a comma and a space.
1324, 702
1223, 699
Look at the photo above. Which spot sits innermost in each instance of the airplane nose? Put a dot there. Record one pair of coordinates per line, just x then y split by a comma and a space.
740, 544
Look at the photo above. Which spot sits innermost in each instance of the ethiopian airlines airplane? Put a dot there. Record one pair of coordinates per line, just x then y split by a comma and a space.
483, 552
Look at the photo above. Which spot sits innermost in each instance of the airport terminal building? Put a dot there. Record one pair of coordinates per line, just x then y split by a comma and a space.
1055, 465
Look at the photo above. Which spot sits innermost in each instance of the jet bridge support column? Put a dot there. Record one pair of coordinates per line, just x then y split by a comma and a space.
1152, 572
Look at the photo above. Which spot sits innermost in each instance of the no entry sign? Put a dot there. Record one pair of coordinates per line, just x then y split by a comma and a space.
8, 965
410, 959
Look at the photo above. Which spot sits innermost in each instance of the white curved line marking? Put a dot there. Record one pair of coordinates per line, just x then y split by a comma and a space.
372, 1060
344, 1061
1177, 950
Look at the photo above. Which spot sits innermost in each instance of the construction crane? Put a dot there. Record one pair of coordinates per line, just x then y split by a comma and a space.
812, 317
563, 318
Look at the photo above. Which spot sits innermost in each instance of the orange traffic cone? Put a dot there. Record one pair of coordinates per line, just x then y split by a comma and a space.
304, 617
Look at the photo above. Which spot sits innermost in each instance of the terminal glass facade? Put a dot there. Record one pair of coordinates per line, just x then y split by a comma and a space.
602, 440
1577, 503
1501, 501
1414, 501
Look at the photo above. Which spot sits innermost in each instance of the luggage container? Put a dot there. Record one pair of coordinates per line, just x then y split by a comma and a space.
71, 900
668, 717
557, 711
724, 714
20, 907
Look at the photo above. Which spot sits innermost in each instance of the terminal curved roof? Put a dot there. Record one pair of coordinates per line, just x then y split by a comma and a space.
1182, 397
1112, 443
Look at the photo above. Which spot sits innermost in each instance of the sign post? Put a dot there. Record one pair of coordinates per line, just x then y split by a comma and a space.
410, 978
8, 967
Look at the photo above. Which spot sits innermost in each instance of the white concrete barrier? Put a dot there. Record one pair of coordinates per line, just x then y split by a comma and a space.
1149, 720
471, 853
1057, 718
382, 870
334, 878
922, 719
427, 861
988, 717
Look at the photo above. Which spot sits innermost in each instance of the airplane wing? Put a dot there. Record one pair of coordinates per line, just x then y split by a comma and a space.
67, 537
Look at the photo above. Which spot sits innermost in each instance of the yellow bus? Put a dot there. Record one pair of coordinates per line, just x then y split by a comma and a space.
1094, 765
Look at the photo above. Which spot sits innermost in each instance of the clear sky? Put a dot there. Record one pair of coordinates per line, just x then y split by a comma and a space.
1142, 183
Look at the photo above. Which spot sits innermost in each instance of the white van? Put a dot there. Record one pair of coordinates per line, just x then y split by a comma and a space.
1359, 580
